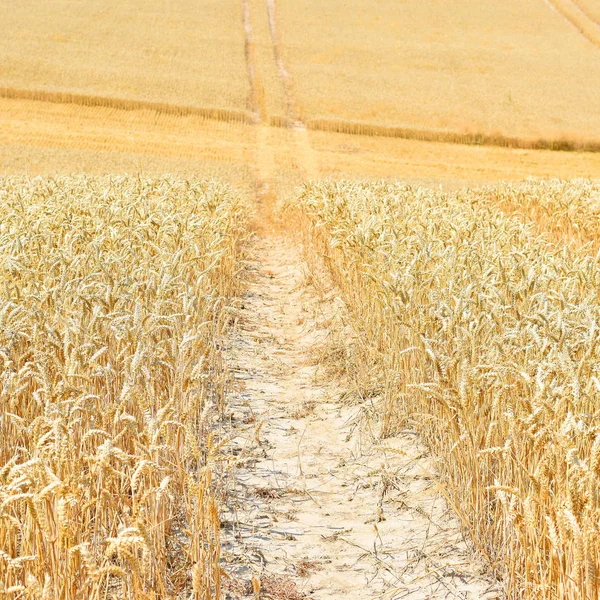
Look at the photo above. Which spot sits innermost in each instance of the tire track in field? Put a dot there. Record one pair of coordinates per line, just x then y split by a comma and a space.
256, 101
264, 162
572, 12
308, 157
585, 11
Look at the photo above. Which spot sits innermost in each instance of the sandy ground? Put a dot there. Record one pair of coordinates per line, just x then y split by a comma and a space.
319, 508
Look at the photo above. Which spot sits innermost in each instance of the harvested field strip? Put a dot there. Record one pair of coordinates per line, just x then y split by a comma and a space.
574, 12
51, 127
257, 91
490, 340
46, 138
116, 292
218, 114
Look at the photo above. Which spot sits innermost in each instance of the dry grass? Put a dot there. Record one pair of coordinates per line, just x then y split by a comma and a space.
115, 292
489, 337
469, 67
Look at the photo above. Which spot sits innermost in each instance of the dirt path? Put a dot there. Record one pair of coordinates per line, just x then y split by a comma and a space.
308, 158
318, 508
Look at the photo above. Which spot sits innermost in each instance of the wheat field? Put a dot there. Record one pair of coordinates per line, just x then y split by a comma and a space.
299, 300
115, 291
488, 336
416, 66
127, 50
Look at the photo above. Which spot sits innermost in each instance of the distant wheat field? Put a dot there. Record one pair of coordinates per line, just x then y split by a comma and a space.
160, 87
468, 66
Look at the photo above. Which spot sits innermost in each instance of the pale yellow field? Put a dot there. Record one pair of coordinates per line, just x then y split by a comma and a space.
47, 138
467, 68
470, 65
591, 8
184, 52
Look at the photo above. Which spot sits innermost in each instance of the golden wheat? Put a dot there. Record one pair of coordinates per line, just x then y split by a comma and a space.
445, 69
566, 211
489, 336
186, 53
114, 295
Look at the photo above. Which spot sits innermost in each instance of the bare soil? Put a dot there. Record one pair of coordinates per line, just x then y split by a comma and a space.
319, 507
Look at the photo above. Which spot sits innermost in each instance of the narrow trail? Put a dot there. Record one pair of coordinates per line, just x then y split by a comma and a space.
319, 508
257, 101
308, 157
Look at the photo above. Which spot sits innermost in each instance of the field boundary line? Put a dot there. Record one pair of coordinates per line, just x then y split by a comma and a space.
449, 137
287, 122
226, 115
572, 12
